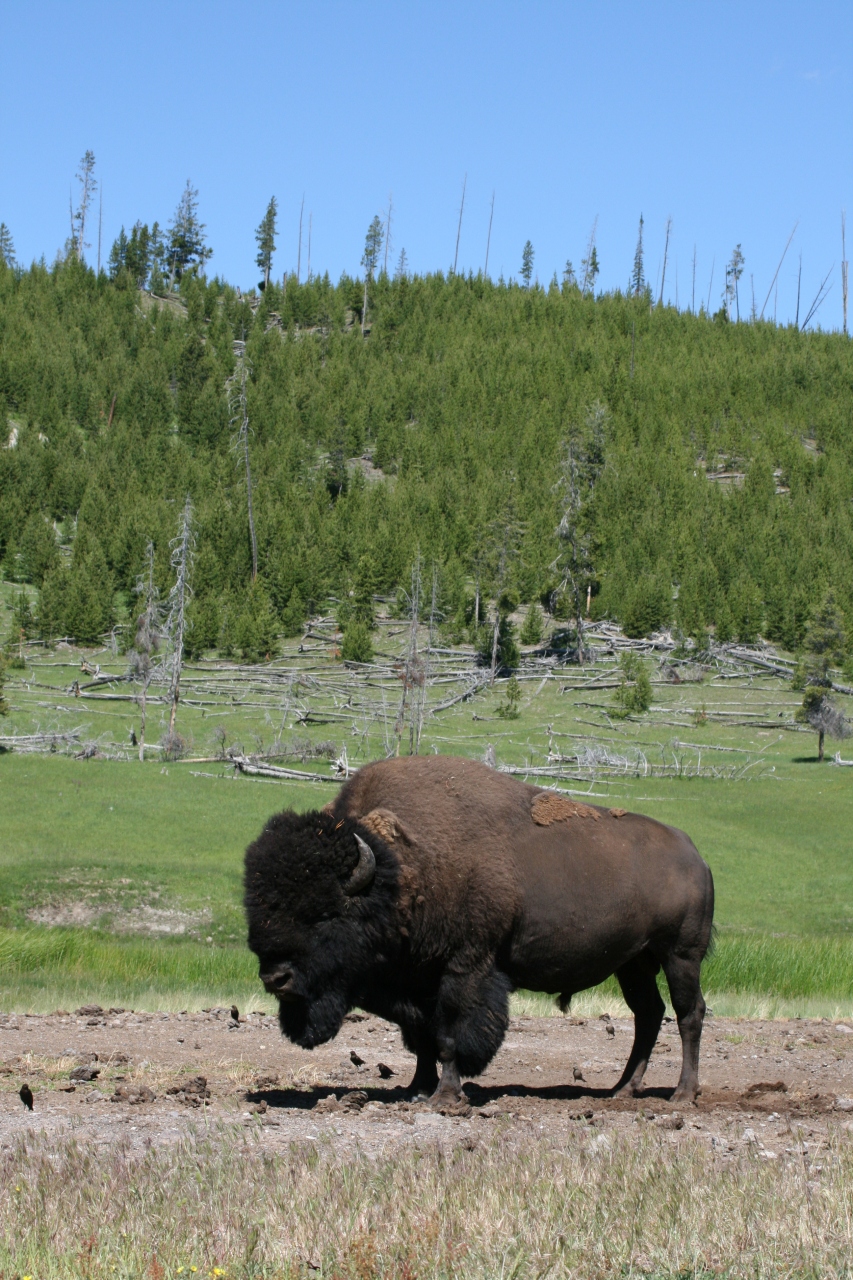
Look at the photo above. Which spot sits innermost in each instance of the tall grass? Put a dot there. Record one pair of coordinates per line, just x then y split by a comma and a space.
595, 1206
42, 969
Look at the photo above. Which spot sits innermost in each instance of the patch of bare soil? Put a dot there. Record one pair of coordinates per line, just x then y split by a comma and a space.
147, 1078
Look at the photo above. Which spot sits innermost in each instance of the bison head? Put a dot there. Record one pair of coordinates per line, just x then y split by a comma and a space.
320, 900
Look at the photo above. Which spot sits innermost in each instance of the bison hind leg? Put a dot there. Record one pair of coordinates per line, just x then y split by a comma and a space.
682, 975
638, 980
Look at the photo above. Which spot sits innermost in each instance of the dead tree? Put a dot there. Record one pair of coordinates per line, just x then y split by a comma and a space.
580, 467
88, 186
665, 254
147, 642
844, 271
459, 227
240, 442
489, 236
413, 672
183, 550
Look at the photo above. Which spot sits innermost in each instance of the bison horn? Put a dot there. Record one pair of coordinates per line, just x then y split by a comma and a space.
365, 868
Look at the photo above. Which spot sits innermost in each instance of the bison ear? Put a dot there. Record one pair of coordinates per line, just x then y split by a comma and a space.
365, 869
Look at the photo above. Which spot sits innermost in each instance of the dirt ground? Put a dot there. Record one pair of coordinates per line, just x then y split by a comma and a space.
784, 1087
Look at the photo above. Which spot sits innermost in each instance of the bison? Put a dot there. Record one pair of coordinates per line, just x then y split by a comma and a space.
431, 887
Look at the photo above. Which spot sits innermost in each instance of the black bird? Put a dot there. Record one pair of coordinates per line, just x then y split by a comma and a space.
355, 1059
235, 1013
610, 1029
385, 1072
26, 1095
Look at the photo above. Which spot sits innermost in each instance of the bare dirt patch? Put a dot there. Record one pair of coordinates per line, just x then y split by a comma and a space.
775, 1087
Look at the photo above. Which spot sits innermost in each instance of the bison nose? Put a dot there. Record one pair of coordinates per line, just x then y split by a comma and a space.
280, 982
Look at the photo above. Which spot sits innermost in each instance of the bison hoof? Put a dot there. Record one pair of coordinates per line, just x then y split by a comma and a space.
685, 1097
626, 1091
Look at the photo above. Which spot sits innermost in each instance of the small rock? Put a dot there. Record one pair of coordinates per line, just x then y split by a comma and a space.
845, 1030
88, 1011
84, 1073
327, 1104
134, 1094
671, 1122
68, 1088
95, 1096
844, 1104
259, 1108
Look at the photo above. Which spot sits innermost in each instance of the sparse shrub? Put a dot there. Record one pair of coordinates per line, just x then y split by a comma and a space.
634, 694
509, 710
357, 645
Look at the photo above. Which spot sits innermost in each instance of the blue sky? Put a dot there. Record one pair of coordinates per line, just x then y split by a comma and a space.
735, 119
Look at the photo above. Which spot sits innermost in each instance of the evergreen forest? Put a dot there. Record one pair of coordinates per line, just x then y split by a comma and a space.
521, 444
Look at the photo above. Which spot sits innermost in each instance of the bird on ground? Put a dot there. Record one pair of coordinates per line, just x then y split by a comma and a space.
355, 1059
577, 1073
26, 1095
235, 1013
385, 1072
610, 1029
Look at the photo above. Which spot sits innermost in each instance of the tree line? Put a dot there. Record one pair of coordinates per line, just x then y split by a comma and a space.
587, 454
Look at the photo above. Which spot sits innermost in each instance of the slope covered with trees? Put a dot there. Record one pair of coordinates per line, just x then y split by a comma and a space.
700, 471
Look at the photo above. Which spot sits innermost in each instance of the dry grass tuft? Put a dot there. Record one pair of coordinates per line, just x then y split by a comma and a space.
638, 1205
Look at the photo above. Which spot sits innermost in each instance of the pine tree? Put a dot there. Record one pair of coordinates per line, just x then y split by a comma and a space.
7, 247
570, 280
370, 260
527, 256
186, 250
825, 642
638, 279
265, 236
734, 271
401, 271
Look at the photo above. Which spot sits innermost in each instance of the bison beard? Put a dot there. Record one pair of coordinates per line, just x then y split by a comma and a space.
431, 887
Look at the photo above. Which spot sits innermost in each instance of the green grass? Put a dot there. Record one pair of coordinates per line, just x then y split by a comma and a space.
124, 848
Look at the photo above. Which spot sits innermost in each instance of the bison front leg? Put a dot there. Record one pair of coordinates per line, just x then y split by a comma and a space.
472, 1015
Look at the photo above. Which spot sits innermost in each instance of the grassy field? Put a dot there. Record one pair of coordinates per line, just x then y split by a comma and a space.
621, 1204
120, 882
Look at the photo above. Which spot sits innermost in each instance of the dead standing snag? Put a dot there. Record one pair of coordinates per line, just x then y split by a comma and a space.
432, 886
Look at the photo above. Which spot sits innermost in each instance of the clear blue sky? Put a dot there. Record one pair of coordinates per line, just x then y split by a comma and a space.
734, 118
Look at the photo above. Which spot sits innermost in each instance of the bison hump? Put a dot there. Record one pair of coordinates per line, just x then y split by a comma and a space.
386, 825
550, 806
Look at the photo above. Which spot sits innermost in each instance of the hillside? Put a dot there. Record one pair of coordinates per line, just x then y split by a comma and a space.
713, 462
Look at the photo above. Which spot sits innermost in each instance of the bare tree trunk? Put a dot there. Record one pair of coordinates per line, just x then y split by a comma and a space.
179, 597
820, 745
489, 236
388, 231
459, 228
242, 443
665, 252
100, 226
693, 296
844, 272
299, 251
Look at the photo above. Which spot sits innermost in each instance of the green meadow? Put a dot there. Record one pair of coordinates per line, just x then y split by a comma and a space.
121, 883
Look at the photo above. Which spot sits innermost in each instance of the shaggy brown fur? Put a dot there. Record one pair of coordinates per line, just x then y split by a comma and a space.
475, 894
